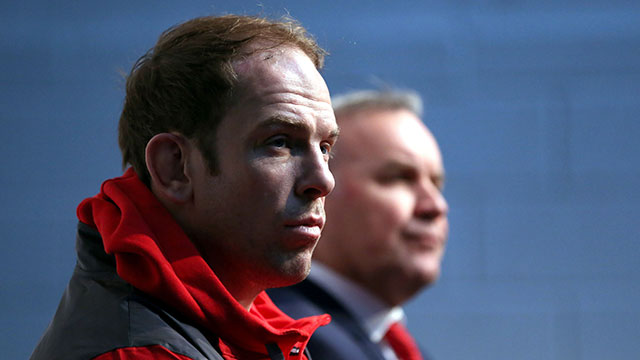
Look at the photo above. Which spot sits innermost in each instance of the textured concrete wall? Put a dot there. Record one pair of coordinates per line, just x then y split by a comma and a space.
535, 105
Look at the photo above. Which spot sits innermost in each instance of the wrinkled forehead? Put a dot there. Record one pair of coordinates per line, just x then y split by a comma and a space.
267, 66
281, 83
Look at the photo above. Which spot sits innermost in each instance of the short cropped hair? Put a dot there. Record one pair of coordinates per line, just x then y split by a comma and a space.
388, 99
184, 83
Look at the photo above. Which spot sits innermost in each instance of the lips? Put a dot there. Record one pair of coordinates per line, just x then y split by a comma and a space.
309, 221
306, 228
425, 237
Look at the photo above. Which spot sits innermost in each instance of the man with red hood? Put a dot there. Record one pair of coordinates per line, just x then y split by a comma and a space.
227, 127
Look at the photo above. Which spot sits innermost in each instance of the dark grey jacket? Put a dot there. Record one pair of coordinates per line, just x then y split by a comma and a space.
100, 312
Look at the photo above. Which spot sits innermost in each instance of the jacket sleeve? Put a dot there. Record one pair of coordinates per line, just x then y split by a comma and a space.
151, 352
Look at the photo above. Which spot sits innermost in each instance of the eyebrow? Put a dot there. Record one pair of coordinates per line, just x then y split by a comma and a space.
281, 120
393, 165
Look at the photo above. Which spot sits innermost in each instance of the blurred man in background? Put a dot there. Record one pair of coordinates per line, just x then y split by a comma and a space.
386, 230
228, 127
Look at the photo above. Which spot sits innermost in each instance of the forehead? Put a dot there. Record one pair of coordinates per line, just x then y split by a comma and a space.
279, 69
282, 83
379, 136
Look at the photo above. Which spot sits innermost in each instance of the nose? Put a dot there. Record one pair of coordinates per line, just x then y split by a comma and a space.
315, 180
430, 203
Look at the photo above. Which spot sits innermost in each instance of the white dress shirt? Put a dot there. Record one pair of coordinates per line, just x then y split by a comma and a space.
374, 315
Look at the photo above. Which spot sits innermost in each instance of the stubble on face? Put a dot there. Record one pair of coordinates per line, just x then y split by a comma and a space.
268, 145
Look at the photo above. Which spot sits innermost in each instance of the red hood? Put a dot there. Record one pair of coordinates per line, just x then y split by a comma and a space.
154, 254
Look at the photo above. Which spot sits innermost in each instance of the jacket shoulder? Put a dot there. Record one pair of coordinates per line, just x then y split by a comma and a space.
100, 312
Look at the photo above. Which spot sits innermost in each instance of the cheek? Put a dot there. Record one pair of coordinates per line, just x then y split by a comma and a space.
267, 182
381, 211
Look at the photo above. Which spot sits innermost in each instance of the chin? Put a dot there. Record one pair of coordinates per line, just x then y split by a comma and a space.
428, 273
415, 283
431, 278
429, 261
300, 273
293, 272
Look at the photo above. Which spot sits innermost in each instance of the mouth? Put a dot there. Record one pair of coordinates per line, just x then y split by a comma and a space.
305, 229
425, 239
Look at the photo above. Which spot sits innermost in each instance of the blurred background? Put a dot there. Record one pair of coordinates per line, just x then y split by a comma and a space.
535, 105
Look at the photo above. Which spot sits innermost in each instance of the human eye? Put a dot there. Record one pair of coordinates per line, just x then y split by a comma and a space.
325, 148
438, 181
398, 176
405, 176
278, 142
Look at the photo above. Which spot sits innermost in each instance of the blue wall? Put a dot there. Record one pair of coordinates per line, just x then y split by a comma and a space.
535, 105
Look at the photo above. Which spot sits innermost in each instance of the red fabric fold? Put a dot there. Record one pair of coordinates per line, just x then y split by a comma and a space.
154, 254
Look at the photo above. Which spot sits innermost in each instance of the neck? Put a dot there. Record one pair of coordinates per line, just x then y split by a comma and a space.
240, 286
240, 283
385, 290
243, 294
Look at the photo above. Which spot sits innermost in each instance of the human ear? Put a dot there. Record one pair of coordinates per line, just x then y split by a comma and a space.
166, 155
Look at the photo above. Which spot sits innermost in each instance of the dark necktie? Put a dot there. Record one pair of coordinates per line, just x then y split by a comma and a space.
402, 343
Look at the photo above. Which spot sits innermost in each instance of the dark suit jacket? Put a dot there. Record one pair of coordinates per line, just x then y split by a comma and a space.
344, 338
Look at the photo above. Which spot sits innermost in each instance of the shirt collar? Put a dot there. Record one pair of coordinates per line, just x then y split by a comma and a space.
375, 316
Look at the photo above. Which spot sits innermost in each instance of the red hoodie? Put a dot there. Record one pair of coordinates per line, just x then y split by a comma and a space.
154, 254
